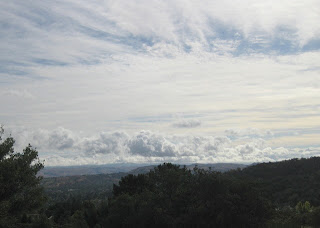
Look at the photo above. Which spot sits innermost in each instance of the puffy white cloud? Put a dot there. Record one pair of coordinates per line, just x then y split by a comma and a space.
61, 139
57, 139
146, 143
201, 145
64, 147
104, 143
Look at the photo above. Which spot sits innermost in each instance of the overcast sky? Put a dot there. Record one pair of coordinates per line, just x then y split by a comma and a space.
103, 81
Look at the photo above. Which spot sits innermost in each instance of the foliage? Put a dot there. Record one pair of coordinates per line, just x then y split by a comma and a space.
171, 195
20, 191
287, 182
302, 215
86, 186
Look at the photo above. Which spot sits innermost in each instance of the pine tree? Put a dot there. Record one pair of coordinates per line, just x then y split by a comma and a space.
20, 190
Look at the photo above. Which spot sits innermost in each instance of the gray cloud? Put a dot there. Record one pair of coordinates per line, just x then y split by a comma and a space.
43, 33
146, 143
248, 133
18, 93
98, 58
184, 57
62, 146
187, 123
104, 143
61, 139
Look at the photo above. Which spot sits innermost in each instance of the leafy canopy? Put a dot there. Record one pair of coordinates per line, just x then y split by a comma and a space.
20, 190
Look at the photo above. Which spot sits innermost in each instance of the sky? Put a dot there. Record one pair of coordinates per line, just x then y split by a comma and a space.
147, 81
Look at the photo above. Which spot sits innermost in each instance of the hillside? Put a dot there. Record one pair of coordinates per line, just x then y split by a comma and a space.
100, 185
287, 182
87, 186
57, 171
219, 167
279, 194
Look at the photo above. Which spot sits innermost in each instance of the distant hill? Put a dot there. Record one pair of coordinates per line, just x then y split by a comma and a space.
272, 194
287, 182
59, 181
220, 167
62, 171
88, 186
58, 171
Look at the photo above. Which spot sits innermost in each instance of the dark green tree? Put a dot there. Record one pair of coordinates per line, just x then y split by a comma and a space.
174, 196
20, 190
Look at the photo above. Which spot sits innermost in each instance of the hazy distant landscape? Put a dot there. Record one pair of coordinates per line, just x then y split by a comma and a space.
91, 181
287, 192
58, 171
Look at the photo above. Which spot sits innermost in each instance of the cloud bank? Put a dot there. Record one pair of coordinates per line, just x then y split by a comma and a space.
65, 147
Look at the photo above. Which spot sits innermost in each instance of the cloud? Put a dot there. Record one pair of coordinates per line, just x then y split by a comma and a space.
104, 143
187, 123
22, 93
91, 66
146, 143
61, 139
58, 139
64, 147
248, 133
64, 33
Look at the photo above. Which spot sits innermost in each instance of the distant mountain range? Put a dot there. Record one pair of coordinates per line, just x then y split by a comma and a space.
97, 181
220, 167
62, 171
58, 171
285, 182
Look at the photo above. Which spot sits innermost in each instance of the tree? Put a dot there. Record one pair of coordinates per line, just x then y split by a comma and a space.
174, 196
20, 190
